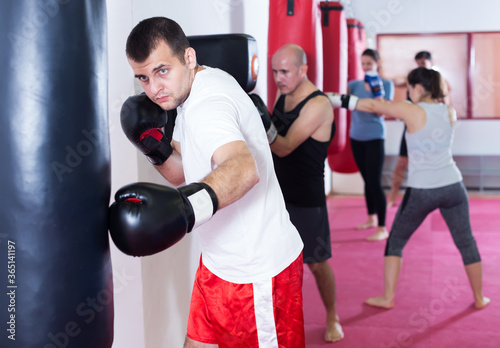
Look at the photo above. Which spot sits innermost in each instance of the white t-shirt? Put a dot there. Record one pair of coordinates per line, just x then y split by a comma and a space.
253, 238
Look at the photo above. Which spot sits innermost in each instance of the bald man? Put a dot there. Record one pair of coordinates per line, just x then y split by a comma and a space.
303, 117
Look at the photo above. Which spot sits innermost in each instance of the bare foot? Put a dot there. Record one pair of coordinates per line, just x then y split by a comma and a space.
391, 203
334, 332
482, 303
381, 234
380, 302
368, 224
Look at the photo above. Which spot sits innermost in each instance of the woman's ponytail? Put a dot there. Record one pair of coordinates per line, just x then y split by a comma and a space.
429, 79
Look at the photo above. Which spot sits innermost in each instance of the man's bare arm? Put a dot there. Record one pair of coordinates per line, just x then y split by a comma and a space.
235, 175
172, 169
315, 119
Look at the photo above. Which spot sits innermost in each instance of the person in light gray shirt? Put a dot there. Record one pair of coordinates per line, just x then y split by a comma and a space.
434, 180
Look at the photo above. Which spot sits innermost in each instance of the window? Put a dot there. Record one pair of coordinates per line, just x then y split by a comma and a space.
485, 75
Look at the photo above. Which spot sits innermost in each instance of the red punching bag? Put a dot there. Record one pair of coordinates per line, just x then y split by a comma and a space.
356, 39
293, 21
343, 162
334, 29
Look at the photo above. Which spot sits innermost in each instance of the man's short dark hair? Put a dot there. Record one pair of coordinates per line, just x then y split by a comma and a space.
424, 55
149, 33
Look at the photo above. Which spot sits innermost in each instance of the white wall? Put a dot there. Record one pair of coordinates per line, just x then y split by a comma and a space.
152, 294
127, 275
424, 16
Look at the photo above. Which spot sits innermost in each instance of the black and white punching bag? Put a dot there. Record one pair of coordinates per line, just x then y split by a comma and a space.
56, 285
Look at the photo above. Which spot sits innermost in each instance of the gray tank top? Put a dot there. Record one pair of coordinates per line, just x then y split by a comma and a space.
431, 164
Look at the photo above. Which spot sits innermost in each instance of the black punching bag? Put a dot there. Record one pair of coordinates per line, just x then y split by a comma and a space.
56, 285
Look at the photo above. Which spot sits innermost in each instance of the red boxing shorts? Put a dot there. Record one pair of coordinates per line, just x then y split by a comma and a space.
264, 314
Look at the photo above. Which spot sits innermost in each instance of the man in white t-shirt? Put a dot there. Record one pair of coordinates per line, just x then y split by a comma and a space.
248, 287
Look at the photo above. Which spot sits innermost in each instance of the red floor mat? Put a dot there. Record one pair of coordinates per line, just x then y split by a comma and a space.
433, 304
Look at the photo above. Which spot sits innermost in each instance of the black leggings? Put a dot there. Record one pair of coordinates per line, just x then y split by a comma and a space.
453, 204
369, 157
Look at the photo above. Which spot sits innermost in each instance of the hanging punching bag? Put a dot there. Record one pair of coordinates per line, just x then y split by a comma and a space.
343, 162
334, 29
356, 40
294, 21
55, 270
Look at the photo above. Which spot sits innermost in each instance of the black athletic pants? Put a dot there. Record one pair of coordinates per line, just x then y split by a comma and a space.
369, 157
417, 204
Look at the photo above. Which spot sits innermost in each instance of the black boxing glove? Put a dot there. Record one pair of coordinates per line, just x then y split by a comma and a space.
141, 121
148, 218
271, 131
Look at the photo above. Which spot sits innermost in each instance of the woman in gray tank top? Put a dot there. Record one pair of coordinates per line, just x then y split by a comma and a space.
434, 180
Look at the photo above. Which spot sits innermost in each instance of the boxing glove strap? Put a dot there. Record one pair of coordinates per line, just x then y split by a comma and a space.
156, 147
272, 134
348, 101
202, 201
212, 195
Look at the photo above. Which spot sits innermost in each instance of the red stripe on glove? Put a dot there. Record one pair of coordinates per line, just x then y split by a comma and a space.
133, 200
155, 133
